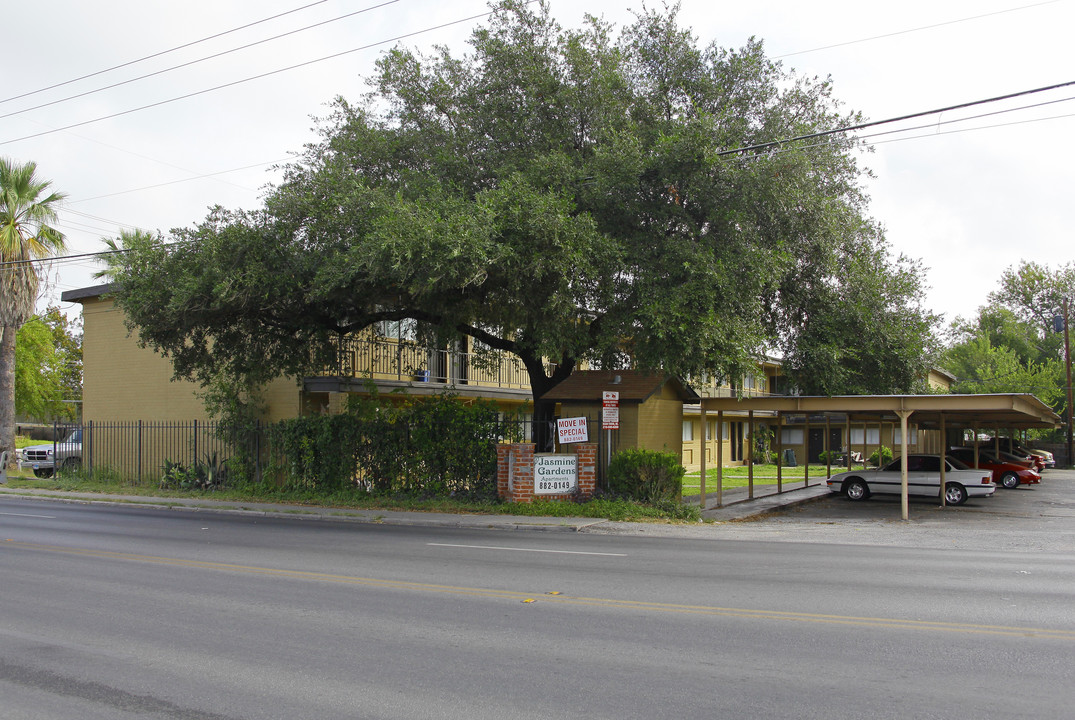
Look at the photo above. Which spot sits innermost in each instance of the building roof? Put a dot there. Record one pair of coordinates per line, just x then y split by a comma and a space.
632, 385
1008, 410
86, 293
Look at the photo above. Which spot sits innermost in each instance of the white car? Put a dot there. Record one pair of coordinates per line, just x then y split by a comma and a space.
43, 459
923, 478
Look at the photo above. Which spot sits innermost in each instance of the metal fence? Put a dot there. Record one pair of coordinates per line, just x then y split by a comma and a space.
139, 452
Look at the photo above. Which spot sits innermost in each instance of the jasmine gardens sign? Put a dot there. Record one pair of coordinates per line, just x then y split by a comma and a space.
555, 474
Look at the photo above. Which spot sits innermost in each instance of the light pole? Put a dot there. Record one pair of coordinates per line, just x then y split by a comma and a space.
1067, 364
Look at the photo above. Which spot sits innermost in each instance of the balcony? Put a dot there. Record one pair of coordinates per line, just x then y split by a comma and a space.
387, 361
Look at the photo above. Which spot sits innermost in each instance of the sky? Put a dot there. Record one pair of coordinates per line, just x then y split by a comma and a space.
146, 114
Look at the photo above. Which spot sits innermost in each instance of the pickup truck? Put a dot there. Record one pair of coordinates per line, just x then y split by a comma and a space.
44, 459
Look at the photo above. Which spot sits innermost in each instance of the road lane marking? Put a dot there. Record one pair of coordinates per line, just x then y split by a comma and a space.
637, 605
521, 549
47, 517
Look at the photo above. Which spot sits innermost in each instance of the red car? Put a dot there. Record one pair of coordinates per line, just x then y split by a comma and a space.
1006, 473
1009, 446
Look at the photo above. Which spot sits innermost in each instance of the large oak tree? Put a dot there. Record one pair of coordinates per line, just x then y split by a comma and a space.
563, 195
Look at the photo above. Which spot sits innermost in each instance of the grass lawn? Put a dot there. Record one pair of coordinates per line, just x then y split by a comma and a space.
733, 477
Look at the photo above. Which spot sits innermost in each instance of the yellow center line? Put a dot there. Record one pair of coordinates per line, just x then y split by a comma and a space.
641, 605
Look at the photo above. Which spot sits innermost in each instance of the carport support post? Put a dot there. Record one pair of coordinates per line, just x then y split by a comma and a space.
847, 451
701, 471
750, 454
828, 447
904, 414
944, 459
779, 452
865, 444
720, 458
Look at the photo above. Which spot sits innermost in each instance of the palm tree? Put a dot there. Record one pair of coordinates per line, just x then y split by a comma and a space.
26, 211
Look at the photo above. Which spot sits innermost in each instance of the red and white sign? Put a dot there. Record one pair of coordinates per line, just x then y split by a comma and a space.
610, 410
572, 430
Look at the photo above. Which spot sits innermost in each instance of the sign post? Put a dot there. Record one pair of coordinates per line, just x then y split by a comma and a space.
610, 418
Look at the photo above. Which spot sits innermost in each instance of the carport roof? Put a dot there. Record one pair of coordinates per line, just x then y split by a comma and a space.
1007, 410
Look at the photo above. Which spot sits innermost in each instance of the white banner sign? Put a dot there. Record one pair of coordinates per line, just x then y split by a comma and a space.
555, 474
610, 410
572, 430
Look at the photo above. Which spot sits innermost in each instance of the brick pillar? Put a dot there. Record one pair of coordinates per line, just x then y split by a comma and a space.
515, 472
587, 455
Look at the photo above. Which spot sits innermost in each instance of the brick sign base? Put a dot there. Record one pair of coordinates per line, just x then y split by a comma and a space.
515, 472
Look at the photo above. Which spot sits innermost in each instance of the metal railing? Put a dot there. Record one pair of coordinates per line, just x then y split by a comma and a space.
402, 360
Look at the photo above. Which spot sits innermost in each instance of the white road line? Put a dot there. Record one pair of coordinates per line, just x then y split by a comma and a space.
47, 517
537, 550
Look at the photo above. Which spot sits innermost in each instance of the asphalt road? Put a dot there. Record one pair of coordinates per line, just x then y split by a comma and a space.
121, 612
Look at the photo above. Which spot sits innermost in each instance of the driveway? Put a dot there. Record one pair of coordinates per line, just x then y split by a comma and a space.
1030, 518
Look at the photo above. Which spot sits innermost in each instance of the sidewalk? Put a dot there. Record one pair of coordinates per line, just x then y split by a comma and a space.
736, 508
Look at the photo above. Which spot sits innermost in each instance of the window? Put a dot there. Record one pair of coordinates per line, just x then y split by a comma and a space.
912, 436
688, 430
399, 329
873, 436
791, 436
724, 431
710, 426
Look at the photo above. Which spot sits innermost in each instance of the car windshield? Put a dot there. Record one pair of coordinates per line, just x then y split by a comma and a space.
74, 437
957, 464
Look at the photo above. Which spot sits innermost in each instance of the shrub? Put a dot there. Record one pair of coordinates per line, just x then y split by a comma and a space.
886, 456
430, 447
646, 475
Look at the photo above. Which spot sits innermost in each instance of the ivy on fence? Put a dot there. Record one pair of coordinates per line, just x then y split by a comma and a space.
431, 446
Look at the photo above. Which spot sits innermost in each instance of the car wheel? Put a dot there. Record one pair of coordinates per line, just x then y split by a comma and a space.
1010, 481
856, 489
955, 494
43, 472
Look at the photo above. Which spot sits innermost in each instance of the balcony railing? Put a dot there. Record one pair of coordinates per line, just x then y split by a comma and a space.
404, 361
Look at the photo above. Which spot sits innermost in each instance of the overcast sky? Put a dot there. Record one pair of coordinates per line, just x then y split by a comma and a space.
968, 199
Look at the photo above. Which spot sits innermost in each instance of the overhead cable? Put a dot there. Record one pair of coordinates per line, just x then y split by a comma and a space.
162, 52
196, 61
248, 79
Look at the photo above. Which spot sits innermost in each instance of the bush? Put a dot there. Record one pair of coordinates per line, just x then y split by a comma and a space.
886, 456
432, 447
646, 475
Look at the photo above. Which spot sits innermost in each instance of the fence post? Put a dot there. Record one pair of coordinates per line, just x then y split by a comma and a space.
257, 450
194, 459
139, 453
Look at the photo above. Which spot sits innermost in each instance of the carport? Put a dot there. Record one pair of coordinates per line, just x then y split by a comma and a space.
929, 412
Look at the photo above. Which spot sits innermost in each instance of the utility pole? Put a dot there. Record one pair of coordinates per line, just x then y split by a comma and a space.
1067, 362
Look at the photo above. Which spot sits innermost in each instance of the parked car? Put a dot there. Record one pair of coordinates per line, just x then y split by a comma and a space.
1041, 458
43, 459
923, 478
1008, 470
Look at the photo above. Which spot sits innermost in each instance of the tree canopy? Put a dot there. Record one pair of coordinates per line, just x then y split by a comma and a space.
48, 367
1011, 346
566, 195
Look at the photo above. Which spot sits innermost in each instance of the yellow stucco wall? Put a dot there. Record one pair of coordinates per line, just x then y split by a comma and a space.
126, 382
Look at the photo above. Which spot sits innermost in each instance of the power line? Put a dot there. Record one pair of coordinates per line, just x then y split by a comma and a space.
248, 79
182, 180
195, 62
162, 52
861, 126
917, 29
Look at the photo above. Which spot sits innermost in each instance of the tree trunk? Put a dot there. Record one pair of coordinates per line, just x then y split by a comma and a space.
544, 410
7, 393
